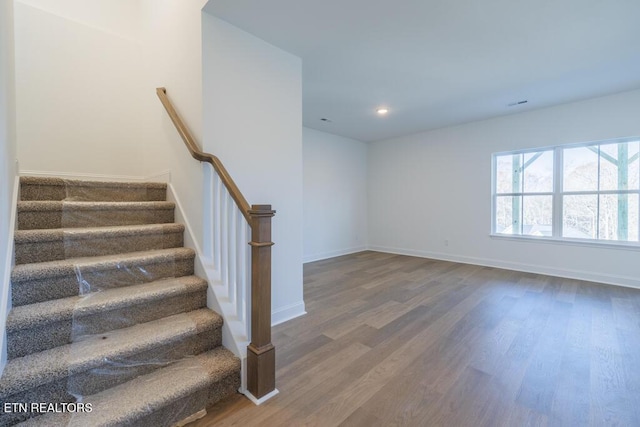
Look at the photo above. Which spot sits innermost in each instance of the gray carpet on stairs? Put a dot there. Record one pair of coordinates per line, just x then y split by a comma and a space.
107, 312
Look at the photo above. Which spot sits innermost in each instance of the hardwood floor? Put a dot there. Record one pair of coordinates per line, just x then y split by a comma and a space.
392, 340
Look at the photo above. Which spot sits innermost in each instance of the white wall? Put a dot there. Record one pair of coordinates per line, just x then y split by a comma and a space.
335, 195
87, 74
172, 38
86, 85
436, 186
120, 17
79, 96
7, 161
253, 122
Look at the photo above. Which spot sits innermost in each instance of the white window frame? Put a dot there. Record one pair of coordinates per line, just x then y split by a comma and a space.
557, 197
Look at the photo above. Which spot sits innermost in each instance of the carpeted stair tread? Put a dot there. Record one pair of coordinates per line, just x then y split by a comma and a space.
45, 188
42, 270
41, 326
44, 281
34, 215
93, 352
32, 246
36, 180
49, 235
158, 399
44, 206
28, 316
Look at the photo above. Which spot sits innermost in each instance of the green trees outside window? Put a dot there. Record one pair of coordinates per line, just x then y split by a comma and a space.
587, 191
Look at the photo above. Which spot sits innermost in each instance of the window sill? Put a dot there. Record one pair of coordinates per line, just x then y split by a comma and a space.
630, 246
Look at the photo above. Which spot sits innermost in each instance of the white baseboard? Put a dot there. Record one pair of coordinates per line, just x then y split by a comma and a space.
180, 217
263, 399
332, 254
164, 176
608, 279
5, 279
287, 313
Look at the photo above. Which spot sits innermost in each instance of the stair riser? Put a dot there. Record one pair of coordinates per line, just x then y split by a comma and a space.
57, 393
114, 372
43, 337
125, 369
27, 341
91, 193
34, 220
180, 409
223, 388
68, 247
49, 288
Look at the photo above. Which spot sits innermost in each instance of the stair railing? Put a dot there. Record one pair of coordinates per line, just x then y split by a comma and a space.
234, 260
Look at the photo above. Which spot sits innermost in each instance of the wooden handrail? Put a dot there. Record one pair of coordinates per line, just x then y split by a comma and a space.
194, 149
261, 354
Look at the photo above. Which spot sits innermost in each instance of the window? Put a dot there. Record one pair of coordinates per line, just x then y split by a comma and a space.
585, 192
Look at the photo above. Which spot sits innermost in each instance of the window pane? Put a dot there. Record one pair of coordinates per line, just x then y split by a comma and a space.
504, 214
619, 166
537, 215
604, 180
508, 173
538, 172
634, 163
634, 217
580, 166
609, 166
618, 218
579, 216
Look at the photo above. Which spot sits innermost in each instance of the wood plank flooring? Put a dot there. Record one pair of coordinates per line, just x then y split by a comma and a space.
392, 340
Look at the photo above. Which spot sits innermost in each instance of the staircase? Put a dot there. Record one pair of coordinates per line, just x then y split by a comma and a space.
107, 312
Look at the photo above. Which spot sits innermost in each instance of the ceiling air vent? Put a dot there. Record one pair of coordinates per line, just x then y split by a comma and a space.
513, 104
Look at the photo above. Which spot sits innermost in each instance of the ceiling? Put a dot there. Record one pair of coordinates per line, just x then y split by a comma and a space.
436, 63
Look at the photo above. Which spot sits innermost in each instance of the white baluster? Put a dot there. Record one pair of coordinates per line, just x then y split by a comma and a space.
224, 248
241, 265
208, 226
247, 281
231, 252
231, 242
217, 197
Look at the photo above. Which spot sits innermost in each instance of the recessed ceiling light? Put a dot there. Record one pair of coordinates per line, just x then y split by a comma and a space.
382, 111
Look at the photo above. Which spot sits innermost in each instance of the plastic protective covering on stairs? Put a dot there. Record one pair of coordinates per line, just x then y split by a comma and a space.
104, 354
